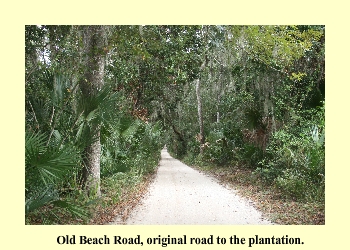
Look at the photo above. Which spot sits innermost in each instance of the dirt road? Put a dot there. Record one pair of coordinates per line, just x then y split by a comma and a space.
181, 195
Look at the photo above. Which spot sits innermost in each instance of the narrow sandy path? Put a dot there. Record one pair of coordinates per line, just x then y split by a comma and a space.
181, 195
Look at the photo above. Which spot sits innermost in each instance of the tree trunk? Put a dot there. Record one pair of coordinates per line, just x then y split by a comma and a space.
91, 84
199, 103
91, 170
200, 116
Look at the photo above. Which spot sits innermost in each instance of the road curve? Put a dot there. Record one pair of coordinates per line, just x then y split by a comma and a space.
181, 195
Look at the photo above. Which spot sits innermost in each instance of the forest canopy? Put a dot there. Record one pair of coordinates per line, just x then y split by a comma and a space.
102, 101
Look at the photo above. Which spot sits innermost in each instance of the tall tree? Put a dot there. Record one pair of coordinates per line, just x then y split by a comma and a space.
201, 138
94, 42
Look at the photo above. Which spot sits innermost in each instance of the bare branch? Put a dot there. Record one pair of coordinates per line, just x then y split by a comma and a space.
53, 112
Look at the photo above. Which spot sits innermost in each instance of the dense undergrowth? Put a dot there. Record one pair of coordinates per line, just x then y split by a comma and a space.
118, 191
54, 157
286, 179
251, 97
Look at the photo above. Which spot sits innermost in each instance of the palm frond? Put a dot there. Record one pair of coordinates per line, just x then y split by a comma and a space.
57, 137
62, 88
40, 198
72, 208
34, 146
39, 111
50, 163
49, 195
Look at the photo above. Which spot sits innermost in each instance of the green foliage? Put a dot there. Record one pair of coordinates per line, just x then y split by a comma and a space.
295, 159
40, 198
46, 168
217, 148
128, 145
50, 163
262, 93
266, 80
133, 143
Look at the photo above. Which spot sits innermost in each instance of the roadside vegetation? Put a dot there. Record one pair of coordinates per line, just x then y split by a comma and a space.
267, 198
247, 102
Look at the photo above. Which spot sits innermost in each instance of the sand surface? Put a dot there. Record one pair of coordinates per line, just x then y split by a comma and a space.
181, 195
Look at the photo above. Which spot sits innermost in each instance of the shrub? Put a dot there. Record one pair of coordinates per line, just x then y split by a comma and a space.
295, 159
292, 184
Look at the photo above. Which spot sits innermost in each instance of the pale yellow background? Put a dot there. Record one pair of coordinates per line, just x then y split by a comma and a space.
15, 14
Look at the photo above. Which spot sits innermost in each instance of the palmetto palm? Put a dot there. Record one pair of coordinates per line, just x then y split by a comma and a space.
54, 153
